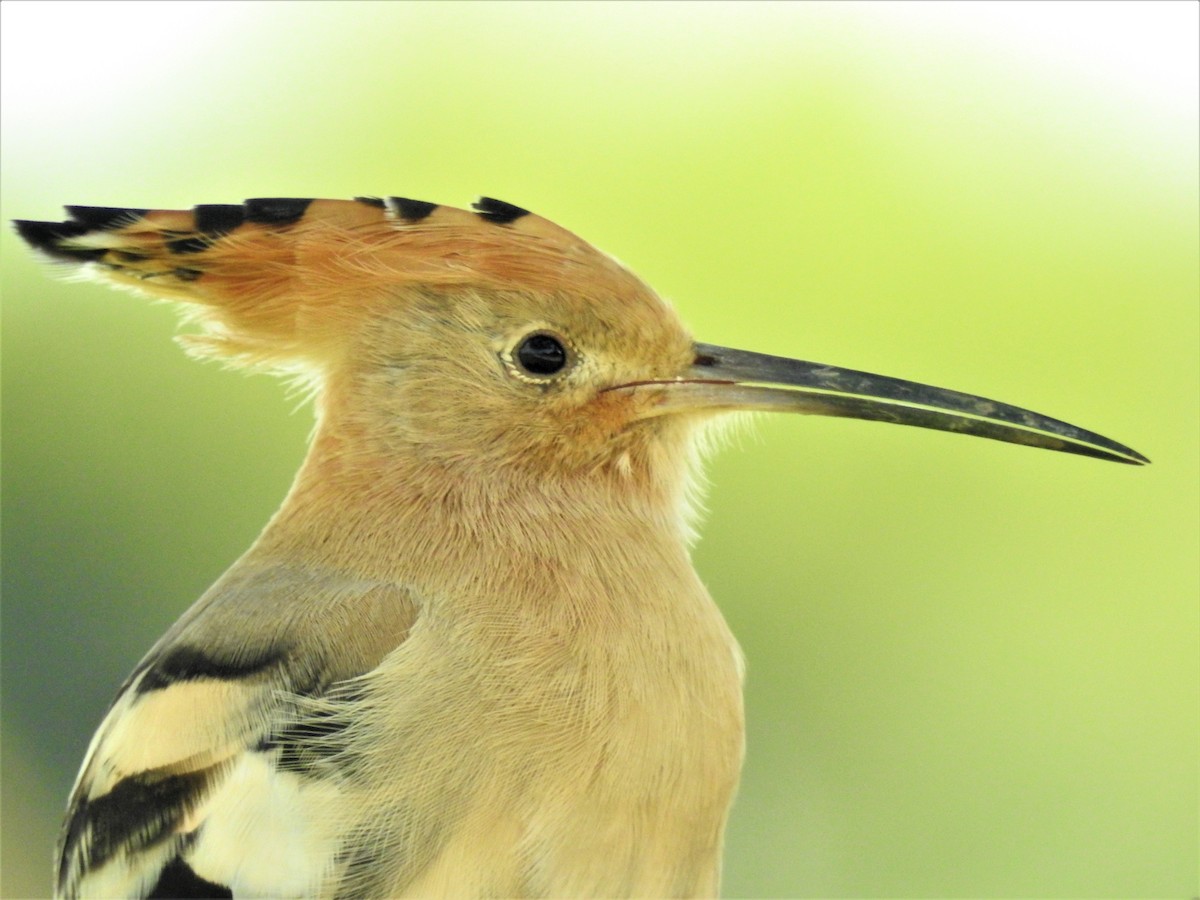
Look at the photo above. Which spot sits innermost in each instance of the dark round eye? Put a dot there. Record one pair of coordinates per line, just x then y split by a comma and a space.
541, 354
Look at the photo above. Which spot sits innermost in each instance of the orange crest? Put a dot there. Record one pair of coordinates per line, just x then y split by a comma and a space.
273, 280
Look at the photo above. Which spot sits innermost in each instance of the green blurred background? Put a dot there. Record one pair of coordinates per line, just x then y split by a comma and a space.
973, 668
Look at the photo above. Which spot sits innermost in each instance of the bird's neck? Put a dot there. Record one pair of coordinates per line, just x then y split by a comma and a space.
379, 515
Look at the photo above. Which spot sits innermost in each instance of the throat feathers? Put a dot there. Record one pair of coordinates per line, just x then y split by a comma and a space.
469, 655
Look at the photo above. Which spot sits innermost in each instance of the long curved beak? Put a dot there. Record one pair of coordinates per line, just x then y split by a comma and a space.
725, 379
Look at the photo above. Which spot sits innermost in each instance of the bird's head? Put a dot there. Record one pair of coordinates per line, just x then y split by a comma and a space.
518, 379
489, 342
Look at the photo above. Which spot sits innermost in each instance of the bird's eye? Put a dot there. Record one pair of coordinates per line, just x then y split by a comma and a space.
541, 354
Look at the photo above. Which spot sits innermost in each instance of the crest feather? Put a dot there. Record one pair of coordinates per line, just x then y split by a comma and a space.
274, 281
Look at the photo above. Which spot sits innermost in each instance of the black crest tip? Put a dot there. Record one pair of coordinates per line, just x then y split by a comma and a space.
47, 237
215, 219
497, 211
410, 210
276, 210
376, 202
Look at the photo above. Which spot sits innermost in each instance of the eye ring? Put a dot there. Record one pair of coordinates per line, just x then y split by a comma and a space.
540, 356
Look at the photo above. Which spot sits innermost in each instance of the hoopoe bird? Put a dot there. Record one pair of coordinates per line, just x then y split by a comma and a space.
469, 655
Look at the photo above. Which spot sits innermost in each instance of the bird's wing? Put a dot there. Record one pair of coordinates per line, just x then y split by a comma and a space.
198, 782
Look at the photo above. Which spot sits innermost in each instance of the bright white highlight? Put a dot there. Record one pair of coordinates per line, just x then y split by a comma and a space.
1145, 51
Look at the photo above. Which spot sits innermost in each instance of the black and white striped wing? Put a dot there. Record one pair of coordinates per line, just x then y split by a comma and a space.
205, 778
